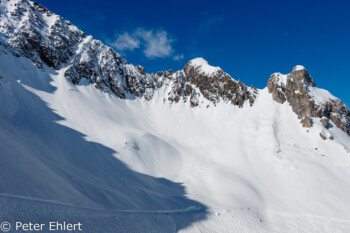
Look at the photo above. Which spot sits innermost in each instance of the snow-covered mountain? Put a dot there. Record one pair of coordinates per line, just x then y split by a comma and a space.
85, 135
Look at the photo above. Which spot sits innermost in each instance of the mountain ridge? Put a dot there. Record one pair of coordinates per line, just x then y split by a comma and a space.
32, 31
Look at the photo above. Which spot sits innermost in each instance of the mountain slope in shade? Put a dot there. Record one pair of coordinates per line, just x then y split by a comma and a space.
44, 160
84, 133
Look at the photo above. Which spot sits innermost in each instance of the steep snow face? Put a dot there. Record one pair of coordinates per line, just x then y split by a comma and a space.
321, 96
203, 66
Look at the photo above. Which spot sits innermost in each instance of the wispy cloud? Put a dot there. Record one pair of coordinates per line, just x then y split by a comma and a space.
154, 43
157, 44
210, 22
178, 57
126, 42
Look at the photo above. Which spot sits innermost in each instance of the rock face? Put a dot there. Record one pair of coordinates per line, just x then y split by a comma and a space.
323, 137
30, 30
308, 101
306, 122
325, 123
215, 84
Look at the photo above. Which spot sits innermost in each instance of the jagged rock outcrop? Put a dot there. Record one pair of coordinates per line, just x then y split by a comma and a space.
198, 79
308, 101
306, 122
215, 84
323, 137
36, 33
325, 123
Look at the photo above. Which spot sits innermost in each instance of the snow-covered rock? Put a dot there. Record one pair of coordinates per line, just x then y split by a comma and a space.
202, 66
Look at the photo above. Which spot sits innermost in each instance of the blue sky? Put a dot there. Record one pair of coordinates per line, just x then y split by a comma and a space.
248, 39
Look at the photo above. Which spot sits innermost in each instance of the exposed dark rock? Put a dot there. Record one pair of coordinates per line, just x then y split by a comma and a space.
40, 8
169, 72
277, 88
188, 89
331, 137
191, 83
219, 86
141, 70
322, 136
306, 122
53, 44
325, 123
295, 89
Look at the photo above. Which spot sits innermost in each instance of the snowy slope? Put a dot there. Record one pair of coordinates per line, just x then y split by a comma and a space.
226, 158
42, 159
239, 156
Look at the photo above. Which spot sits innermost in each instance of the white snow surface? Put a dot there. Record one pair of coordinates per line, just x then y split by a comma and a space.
299, 67
320, 95
281, 79
254, 170
204, 66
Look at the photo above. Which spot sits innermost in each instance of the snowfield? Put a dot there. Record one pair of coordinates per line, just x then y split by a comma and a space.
75, 152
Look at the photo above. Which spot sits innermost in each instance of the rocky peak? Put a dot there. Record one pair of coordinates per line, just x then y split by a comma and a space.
201, 66
309, 102
216, 85
301, 75
291, 86
30, 30
298, 68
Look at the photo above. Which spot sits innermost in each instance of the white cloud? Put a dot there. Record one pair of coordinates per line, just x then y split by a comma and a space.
178, 57
155, 43
126, 42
